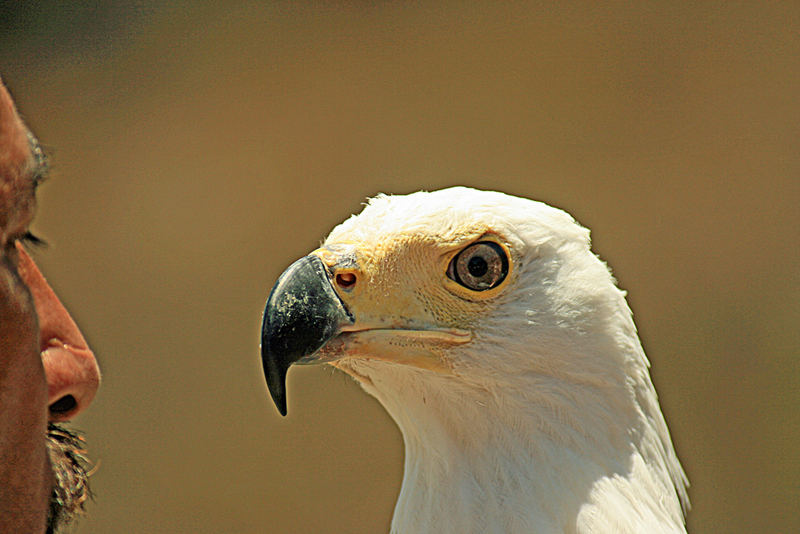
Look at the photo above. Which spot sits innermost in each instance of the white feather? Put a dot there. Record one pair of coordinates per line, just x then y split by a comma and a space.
550, 422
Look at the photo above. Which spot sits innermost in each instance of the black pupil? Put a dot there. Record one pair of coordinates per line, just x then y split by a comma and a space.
477, 266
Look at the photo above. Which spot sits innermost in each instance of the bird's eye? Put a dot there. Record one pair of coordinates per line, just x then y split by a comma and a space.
480, 266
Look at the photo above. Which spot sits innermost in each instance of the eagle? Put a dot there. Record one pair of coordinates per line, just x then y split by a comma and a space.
506, 354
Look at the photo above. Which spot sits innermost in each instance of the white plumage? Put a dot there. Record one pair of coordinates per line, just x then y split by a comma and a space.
546, 420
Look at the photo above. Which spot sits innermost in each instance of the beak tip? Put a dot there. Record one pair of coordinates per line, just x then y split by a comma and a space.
280, 404
278, 395
276, 383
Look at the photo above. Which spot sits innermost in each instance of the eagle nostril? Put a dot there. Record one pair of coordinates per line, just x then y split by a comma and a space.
64, 405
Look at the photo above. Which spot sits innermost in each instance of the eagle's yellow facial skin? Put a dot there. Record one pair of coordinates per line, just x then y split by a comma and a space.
407, 309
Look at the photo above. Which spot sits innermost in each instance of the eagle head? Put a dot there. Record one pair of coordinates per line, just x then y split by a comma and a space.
503, 349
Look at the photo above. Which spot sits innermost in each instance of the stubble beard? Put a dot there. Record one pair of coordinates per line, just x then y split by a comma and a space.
67, 452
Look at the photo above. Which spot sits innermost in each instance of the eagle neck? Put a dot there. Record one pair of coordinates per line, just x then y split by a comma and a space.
483, 459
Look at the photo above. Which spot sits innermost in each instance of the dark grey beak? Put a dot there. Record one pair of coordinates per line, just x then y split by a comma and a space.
302, 313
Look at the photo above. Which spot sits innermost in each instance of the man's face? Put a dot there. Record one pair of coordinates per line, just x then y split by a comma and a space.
70, 368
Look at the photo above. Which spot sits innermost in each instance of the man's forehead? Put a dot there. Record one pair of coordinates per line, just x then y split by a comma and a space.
22, 165
15, 145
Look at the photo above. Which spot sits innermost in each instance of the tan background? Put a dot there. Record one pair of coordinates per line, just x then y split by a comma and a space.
199, 150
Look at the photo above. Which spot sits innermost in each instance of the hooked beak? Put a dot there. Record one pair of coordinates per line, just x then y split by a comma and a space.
303, 312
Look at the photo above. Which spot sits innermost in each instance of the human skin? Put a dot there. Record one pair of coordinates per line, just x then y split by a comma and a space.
47, 372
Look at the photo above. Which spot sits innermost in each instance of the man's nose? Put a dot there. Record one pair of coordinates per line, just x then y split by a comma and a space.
69, 364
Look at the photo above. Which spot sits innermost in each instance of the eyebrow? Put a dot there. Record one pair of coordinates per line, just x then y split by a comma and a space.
41, 163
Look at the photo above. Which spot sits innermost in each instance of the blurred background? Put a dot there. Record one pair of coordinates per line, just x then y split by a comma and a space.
198, 149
